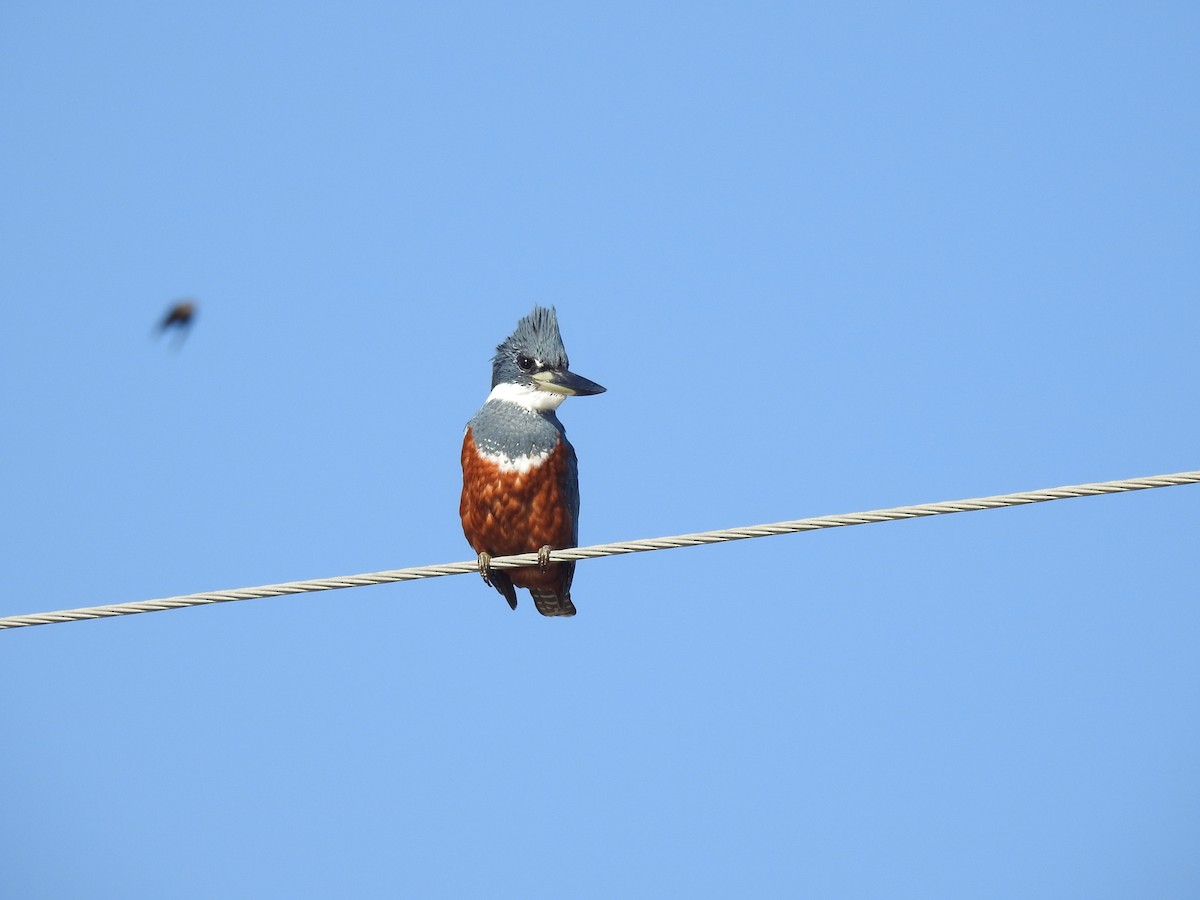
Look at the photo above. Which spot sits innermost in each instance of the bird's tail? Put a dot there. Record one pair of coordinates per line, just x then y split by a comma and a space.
550, 603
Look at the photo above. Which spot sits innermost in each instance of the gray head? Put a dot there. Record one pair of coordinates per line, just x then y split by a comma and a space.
534, 361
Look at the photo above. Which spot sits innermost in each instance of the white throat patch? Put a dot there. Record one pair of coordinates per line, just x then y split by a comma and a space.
527, 397
522, 465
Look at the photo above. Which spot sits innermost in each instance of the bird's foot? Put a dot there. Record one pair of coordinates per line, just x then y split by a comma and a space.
485, 568
544, 558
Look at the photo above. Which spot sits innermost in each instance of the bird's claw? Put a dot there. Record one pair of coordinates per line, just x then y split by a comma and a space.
544, 558
485, 568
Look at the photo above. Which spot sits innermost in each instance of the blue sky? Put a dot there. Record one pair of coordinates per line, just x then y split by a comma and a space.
825, 258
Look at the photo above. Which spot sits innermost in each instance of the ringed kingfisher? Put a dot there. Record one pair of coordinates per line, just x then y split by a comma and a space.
520, 476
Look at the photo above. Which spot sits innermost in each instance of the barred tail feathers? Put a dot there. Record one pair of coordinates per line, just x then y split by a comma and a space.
550, 603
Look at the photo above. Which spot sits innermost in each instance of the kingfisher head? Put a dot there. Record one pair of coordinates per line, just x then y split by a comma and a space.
530, 367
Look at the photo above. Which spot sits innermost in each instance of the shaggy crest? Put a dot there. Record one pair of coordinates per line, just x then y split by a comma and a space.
536, 336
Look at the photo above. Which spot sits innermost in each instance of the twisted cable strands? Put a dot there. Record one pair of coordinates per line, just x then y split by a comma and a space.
615, 549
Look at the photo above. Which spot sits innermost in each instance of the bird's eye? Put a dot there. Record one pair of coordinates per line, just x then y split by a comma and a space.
524, 363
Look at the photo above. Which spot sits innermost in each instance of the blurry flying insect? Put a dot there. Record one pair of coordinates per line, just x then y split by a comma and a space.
180, 318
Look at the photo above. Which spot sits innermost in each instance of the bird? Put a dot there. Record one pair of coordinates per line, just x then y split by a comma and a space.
520, 489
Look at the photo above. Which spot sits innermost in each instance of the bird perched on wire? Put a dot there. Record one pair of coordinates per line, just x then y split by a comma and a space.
520, 477
180, 317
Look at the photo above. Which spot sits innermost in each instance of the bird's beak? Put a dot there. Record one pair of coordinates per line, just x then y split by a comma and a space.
566, 383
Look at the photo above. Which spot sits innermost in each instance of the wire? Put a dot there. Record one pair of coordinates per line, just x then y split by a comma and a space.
598, 550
